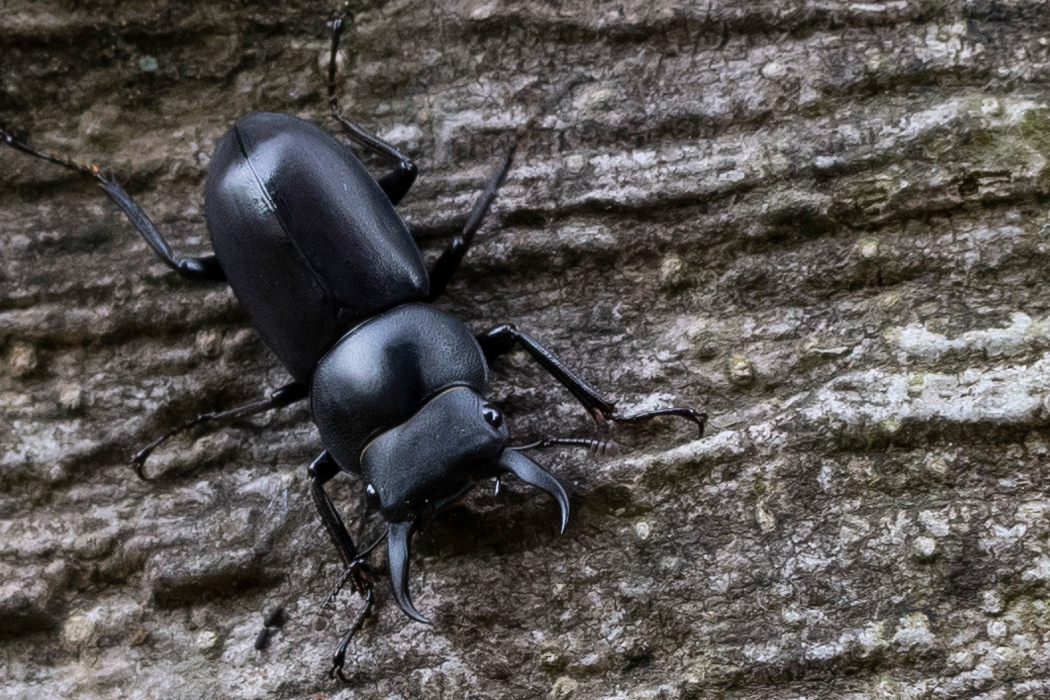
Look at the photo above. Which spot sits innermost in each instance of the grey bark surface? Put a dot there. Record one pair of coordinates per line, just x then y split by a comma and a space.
823, 222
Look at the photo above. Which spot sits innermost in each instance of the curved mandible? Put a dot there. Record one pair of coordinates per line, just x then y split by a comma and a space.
531, 473
398, 536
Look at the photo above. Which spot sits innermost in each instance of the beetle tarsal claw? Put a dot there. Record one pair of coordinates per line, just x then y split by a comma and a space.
398, 536
531, 473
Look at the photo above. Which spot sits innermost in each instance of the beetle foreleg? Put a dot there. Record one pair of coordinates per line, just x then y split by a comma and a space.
357, 570
339, 657
321, 472
502, 339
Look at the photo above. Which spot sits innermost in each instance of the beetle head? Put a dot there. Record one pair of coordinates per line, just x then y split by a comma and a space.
431, 460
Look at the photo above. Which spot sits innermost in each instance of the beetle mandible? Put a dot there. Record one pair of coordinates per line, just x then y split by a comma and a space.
336, 287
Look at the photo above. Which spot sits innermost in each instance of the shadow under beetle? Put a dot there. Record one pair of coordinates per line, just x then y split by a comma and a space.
313, 248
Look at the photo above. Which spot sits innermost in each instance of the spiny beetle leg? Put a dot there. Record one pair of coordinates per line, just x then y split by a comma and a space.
504, 338
690, 414
205, 268
398, 181
278, 398
453, 255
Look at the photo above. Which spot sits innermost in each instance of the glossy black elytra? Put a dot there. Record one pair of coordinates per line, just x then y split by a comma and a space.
313, 248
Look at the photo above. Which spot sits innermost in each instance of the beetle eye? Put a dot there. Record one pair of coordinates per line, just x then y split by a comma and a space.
492, 416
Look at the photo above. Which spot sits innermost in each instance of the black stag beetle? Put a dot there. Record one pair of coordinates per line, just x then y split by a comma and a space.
337, 288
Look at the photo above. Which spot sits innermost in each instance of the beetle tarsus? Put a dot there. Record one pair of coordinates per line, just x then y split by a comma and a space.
398, 181
690, 414
338, 24
19, 144
339, 657
138, 461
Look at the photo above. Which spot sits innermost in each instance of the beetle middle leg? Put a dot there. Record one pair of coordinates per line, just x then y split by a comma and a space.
205, 268
279, 398
357, 571
504, 338
397, 182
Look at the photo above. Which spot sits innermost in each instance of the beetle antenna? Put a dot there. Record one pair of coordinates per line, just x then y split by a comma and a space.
330, 600
596, 447
353, 572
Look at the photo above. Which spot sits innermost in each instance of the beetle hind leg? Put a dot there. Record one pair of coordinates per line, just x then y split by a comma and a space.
398, 181
457, 249
205, 268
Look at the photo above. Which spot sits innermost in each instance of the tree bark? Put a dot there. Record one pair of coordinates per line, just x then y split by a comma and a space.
823, 223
